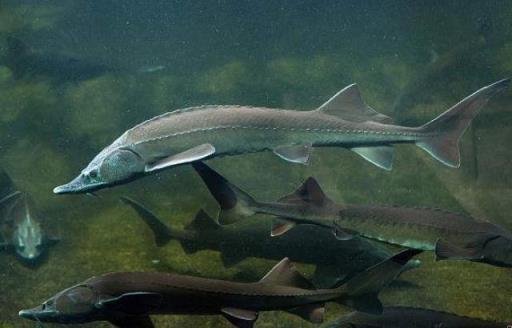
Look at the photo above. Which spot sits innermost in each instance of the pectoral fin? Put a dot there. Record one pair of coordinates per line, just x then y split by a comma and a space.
381, 156
281, 226
294, 153
190, 155
239, 317
343, 234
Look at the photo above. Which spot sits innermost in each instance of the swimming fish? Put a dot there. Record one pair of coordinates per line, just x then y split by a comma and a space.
197, 133
19, 228
126, 299
407, 317
59, 68
450, 235
336, 261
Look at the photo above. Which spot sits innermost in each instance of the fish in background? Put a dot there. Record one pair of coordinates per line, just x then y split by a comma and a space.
197, 133
450, 235
410, 317
20, 230
127, 299
59, 68
336, 261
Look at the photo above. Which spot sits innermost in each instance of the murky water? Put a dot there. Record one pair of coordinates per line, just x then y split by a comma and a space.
74, 75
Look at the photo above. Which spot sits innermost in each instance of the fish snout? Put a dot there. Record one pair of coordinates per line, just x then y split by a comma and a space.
77, 185
39, 313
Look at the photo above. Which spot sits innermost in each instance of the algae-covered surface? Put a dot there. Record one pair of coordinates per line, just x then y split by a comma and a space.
412, 60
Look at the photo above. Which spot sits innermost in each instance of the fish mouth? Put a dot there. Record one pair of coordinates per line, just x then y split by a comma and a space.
38, 314
76, 186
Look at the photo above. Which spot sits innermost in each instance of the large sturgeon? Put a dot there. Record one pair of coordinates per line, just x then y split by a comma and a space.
335, 260
450, 235
196, 133
126, 299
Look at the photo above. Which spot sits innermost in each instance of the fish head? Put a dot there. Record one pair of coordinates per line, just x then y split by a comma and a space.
28, 239
73, 305
111, 167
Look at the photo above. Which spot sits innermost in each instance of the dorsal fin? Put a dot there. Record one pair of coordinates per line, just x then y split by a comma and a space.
349, 105
309, 192
202, 222
285, 274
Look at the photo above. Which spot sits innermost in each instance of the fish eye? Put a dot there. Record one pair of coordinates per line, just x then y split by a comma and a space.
93, 173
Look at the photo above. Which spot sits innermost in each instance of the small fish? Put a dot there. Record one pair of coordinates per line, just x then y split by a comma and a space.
450, 235
151, 69
20, 229
407, 317
192, 134
127, 299
335, 261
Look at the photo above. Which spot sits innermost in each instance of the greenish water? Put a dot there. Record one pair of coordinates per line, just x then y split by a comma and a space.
411, 60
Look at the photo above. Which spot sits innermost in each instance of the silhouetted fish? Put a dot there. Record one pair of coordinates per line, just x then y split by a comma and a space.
59, 68
451, 235
336, 261
126, 299
192, 134
20, 229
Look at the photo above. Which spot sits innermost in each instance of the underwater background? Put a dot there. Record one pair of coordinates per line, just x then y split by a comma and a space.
411, 60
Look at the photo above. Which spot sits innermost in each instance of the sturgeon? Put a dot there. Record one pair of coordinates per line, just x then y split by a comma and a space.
336, 261
20, 230
406, 317
450, 235
126, 299
192, 134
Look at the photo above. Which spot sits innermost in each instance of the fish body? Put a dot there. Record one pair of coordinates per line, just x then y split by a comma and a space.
450, 235
188, 135
335, 260
21, 231
409, 317
59, 68
126, 296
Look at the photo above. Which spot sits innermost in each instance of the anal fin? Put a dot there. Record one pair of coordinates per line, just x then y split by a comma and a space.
381, 156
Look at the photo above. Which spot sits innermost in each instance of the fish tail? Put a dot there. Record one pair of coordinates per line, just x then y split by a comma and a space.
235, 204
361, 292
447, 129
161, 232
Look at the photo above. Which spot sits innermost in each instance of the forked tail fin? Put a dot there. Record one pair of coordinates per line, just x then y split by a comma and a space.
361, 292
235, 204
447, 129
